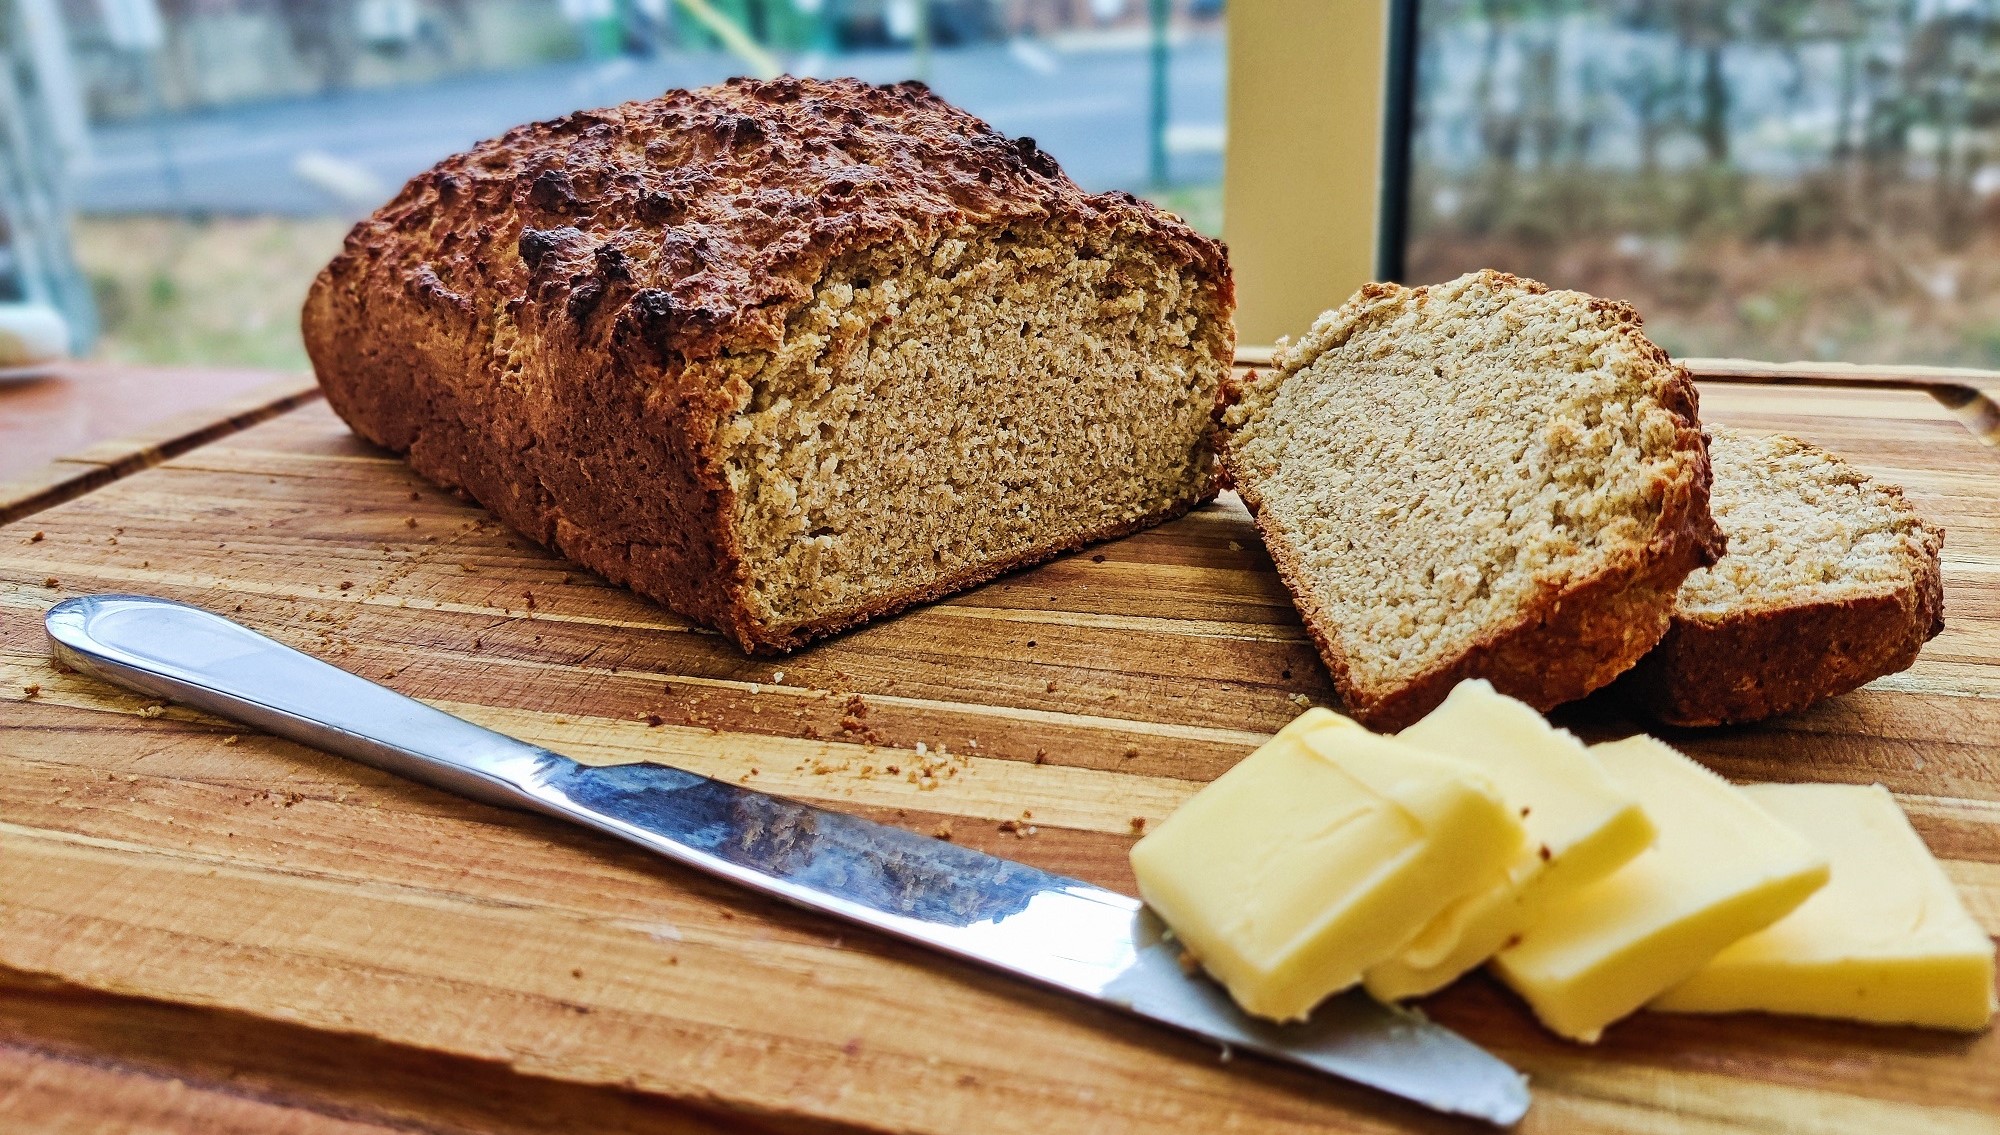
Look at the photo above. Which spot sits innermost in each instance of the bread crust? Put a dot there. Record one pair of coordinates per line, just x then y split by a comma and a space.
1753, 665
1570, 640
562, 320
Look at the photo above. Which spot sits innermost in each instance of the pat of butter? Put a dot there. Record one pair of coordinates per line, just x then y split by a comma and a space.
1314, 720
1886, 941
1721, 869
1581, 828
1317, 856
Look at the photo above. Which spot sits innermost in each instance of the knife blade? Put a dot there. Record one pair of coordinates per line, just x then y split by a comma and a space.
1058, 932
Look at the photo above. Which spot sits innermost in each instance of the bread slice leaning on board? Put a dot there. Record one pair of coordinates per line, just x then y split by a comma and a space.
784, 356
1832, 580
1483, 478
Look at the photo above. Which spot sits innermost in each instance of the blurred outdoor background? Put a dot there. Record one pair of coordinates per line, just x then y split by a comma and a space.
1815, 179
212, 153
1778, 179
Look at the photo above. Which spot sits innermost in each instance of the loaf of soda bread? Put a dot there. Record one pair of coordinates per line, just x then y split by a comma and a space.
784, 356
1476, 479
1832, 580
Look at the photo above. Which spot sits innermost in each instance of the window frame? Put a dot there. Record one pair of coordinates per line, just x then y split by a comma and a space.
1315, 182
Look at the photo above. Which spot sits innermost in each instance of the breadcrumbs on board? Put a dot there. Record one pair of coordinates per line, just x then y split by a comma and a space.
654, 721
1138, 825
409, 522
33, 691
942, 831
38, 537
347, 585
1300, 700
52, 583
152, 710
232, 739
855, 721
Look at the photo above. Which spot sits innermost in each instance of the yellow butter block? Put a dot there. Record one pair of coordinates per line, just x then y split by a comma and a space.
1581, 828
1722, 868
1887, 940
1317, 856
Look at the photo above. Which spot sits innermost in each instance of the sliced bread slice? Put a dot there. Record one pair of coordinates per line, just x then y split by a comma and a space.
1476, 479
1831, 581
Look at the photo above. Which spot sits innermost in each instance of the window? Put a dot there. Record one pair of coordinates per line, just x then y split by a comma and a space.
1810, 179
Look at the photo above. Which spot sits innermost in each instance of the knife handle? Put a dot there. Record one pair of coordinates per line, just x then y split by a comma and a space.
185, 654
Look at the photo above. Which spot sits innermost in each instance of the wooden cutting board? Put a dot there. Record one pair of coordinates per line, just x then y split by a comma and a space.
208, 929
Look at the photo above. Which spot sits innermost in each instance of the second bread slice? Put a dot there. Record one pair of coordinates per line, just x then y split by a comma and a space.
1477, 479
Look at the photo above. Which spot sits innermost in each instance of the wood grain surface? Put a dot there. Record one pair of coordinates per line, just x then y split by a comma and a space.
185, 903
85, 425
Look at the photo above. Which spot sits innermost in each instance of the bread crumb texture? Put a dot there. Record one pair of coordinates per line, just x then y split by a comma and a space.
1437, 465
1804, 527
931, 413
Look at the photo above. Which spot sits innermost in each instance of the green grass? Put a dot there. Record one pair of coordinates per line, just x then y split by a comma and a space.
224, 291
1198, 205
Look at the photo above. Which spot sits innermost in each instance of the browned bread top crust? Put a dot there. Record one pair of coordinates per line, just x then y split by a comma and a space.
695, 222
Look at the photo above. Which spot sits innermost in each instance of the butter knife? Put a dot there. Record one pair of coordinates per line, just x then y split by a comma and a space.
1062, 933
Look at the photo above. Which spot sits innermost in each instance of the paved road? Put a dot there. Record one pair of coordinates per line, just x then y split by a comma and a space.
1086, 106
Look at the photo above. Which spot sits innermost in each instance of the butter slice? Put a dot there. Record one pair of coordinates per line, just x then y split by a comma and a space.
1721, 869
1314, 720
1887, 940
1317, 856
1581, 828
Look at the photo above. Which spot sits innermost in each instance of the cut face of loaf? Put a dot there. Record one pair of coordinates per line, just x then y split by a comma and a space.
1476, 479
935, 418
783, 356
1832, 580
